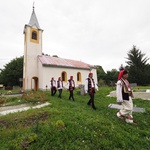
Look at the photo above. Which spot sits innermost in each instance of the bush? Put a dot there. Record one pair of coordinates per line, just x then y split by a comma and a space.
34, 97
23, 142
28, 140
2, 100
60, 125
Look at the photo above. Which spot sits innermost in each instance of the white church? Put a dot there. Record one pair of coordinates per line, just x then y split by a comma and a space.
38, 69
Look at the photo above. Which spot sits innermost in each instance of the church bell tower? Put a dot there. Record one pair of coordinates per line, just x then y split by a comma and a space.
32, 48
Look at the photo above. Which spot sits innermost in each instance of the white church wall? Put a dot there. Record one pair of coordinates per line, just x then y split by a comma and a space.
48, 72
40, 76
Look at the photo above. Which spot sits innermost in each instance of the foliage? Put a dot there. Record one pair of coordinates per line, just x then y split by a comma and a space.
28, 140
111, 77
11, 101
11, 73
34, 97
85, 128
138, 67
60, 124
24, 119
108, 78
2, 100
100, 73
23, 142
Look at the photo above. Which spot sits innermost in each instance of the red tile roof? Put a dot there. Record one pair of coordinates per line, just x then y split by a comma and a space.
62, 62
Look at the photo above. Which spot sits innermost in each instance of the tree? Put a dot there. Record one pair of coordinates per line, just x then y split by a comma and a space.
100, 74
111, 77
12, 71
137, 66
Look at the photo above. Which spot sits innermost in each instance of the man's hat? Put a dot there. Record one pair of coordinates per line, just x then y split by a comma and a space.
121, 73
90, 73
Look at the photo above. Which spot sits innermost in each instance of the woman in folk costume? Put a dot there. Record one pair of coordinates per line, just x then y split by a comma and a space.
71, 87
124, 97
59, 86
90, 88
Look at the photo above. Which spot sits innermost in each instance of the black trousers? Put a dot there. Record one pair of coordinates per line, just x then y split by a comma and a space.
91, 101
71, 95
53, 91
60, 92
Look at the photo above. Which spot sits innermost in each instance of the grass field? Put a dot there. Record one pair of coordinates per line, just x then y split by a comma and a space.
68, 125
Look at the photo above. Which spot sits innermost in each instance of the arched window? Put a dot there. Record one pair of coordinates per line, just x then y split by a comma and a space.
34, 35
64, 76
79, 77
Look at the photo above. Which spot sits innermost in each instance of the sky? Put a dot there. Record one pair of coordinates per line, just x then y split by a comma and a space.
98, 32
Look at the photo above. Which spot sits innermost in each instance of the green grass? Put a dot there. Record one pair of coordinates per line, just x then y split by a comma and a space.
68, 125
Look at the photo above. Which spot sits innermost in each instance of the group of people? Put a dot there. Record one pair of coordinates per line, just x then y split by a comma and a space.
90, 88
123, 92
58, 85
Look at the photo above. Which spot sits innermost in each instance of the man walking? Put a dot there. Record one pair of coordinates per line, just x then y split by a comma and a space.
90, 88
53, 86
59, 86
71, 87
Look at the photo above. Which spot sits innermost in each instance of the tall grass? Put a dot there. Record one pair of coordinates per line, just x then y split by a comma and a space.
68, 125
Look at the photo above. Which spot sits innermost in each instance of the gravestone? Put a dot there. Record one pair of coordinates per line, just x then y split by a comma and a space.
133, 84
135, 109
82, 91
147, 91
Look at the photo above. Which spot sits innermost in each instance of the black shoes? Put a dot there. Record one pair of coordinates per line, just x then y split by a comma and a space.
94, 107
88, 104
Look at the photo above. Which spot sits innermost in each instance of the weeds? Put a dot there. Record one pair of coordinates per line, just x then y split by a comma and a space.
34, 97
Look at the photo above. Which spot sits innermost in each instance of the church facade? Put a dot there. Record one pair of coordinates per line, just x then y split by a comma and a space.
38, 69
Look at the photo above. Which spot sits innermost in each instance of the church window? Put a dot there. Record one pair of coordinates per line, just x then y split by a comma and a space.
34, 35
79, 77
64, 76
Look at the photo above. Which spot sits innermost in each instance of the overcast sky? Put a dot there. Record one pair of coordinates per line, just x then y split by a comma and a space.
98, 32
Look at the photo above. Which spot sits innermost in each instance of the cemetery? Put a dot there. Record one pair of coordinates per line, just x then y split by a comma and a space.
32, 117
74, 122
142, 94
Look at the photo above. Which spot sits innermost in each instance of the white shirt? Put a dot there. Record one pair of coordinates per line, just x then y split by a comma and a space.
70, 83
92, 85
60, 85
119, 91
53, 83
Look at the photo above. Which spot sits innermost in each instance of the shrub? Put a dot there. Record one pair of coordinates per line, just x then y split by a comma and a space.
60, 125
34, 97
23, 142
2, 100
28, 140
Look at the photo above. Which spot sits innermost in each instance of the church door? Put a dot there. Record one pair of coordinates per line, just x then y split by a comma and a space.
34, 83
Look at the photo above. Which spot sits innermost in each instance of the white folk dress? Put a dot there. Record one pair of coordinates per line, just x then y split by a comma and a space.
127, 105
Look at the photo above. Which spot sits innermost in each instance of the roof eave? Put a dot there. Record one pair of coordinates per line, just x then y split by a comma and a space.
28, 25
60, 66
